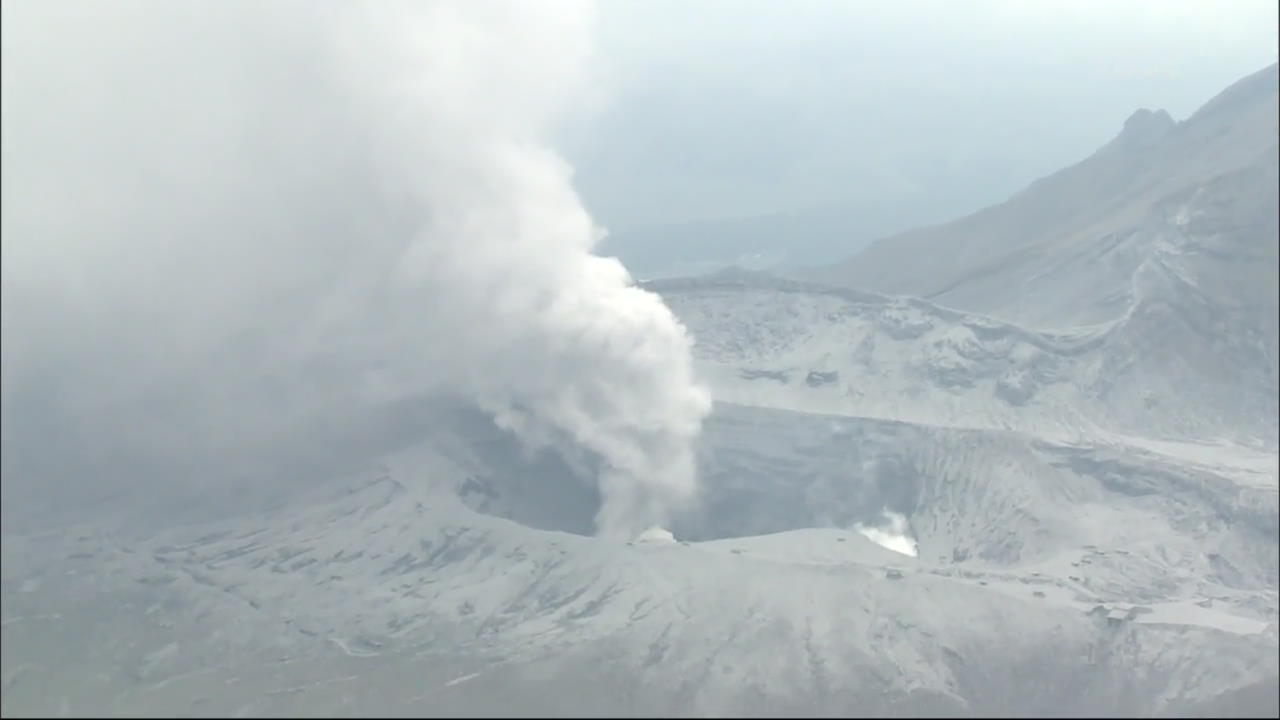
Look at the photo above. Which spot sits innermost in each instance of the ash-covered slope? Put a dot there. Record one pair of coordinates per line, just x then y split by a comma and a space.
1062, 569
1154, 373
1187, 208
1050, 580
1094, 511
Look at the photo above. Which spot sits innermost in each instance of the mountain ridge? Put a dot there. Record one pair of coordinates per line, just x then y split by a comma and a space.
983, 261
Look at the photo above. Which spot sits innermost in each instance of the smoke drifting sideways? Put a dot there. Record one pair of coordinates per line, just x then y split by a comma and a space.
236, 233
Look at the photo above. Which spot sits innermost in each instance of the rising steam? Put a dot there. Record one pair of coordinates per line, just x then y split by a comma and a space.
891, 533
242, 226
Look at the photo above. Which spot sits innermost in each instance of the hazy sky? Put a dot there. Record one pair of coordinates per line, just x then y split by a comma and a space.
723, 108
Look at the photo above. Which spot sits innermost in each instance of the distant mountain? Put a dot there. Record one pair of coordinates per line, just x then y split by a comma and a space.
1182, 215
773, 241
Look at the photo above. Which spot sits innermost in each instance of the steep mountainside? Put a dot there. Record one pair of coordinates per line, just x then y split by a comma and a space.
1192, 204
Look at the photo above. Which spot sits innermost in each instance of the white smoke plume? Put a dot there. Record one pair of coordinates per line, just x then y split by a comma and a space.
233, 228
891, 533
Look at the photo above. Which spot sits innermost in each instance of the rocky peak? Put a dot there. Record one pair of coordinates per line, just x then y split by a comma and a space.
1145, 128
